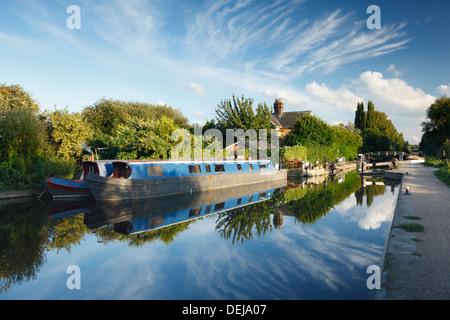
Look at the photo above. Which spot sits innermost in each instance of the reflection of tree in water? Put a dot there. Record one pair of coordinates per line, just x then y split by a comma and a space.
166, 235
319, 201
22, 243
370, 191
241, 223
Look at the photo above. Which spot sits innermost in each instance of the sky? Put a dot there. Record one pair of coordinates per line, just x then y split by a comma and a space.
321, 55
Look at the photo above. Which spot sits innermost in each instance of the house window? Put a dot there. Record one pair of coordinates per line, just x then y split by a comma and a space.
219, 168
195, 169
155, 171
239, 167
208, 168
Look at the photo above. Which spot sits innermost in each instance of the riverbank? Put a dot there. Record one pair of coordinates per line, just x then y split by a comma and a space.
416, 263
12, 197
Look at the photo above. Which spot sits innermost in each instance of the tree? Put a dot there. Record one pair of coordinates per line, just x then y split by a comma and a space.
67, 131
238, 113
309, 130
370, 117
437, 126
15, 97
106, 115
360, 116
142, 139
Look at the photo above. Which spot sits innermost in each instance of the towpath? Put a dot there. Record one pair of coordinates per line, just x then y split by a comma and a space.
417, 264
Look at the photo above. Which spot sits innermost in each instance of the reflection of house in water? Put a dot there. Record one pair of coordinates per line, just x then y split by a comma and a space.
137, 216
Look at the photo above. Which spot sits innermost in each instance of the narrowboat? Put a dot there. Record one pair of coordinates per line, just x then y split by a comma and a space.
136, 216
141, 179
69, 188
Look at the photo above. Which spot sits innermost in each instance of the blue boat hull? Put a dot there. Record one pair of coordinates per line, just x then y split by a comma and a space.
65, 188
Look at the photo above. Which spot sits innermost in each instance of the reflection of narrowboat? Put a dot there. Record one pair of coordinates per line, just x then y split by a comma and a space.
57, 209
140, 179
136, 216
67, 188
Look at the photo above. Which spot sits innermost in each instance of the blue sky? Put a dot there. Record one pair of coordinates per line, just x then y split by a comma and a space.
315, 55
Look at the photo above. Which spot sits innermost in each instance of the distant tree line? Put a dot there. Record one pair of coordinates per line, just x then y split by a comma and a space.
377, 131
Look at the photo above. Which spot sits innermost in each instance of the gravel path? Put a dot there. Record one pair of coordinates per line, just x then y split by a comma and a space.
417, 264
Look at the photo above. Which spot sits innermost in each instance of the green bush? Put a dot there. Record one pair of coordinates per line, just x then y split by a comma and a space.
444, 173
26, 157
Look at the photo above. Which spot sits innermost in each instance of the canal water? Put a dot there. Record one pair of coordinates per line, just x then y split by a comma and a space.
306, 240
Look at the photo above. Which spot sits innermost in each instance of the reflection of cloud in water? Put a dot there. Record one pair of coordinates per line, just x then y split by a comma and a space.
283, 265
368, 218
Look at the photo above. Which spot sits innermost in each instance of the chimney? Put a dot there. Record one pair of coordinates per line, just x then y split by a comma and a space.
278, 107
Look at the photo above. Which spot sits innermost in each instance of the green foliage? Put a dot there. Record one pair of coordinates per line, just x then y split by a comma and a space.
22, 243
322, 140
238, 113
26, 156
314, 204
370, 117
310, 130
411, 227
433, 162
379, 133
360, 116
437, 127
141, 139
294, 152
67, 132
444, 173
15, 97
133, 129
106, 115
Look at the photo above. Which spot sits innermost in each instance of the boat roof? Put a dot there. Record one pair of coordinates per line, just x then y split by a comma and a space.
157, 161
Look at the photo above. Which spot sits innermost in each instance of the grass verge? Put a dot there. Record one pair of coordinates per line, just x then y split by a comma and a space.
411, 227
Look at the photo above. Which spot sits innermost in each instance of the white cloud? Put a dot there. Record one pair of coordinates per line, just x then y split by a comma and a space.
393, 69
228, 31
404, 104
196, 89
393, 96
444, 89
342, 98
199, 113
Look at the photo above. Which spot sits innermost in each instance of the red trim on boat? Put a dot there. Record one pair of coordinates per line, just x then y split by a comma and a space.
56, 186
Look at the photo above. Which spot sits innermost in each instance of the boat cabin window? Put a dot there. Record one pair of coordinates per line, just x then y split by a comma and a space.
250, 167
90, 168
250, 197
195, 212
155, 171
239, 167
219, 206
262, 195
155, 221
121, 171
208, 209
195, 169
239, 201
208, 168
219, 168
262, 166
